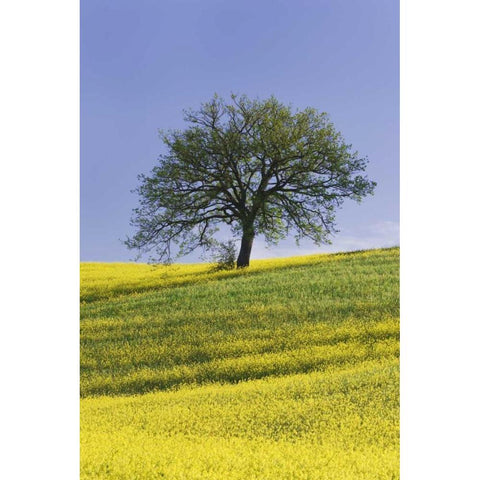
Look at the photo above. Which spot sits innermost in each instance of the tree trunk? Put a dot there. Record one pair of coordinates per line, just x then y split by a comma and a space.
243, 259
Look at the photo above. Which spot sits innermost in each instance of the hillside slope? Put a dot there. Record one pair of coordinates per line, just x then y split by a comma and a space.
287, 370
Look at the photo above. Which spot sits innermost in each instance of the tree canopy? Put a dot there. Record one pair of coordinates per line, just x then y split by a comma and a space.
255, 165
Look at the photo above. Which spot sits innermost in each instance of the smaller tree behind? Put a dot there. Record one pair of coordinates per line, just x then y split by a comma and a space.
254, 165
223, 254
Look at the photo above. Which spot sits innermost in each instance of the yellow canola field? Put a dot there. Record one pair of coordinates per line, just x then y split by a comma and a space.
286, 371
339, 424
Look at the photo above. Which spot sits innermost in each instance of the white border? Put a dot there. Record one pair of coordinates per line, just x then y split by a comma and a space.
439, 252
40, 239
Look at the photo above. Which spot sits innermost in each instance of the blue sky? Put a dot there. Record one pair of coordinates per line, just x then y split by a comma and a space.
142, 62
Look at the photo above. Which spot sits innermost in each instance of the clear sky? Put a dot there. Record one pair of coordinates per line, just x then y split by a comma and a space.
143, 62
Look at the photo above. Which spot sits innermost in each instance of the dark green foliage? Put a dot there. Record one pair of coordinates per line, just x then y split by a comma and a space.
257, 166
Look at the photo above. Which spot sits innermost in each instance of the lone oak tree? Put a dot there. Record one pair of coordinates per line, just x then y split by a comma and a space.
254, 165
